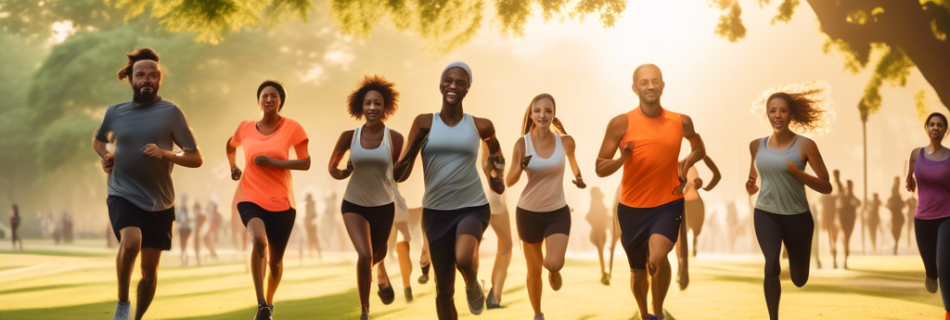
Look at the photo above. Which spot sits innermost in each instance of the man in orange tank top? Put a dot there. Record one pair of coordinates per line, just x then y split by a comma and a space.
651, 197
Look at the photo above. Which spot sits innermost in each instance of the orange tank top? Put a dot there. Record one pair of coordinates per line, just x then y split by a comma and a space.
649, 174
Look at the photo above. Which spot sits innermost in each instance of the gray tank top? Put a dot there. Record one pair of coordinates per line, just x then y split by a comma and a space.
780, 192
371, 184
449, 155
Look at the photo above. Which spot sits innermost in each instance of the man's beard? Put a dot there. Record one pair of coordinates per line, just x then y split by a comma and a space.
144, 97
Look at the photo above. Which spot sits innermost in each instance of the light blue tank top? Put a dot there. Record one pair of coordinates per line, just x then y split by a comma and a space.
449, 155
780, 192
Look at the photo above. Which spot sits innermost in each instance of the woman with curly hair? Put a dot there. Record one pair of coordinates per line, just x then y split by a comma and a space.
368, 204
781, 211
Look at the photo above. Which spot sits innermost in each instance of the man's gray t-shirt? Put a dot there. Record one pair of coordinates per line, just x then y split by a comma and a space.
136, 177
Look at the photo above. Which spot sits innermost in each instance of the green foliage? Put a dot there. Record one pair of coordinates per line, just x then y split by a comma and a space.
212, 20
939, 14
785, 11
920, 103
730, 23
67, 139
33, 19
17, 68
894, 67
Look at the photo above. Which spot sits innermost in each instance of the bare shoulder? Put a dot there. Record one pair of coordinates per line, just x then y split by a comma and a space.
566, 139
568, 143
915, 153
688, 129
807, 143
395, 134
754, 145
485, 127
618, 125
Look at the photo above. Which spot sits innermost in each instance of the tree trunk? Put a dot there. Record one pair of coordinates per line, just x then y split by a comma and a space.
864, 204
903, 24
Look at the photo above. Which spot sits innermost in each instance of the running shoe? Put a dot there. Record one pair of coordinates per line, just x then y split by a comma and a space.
490, 302
264, 311
476, 299
122, 311
387, 295
931, 285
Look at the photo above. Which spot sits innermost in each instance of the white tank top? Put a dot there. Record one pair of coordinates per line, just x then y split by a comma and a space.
545, 189
371, 184
402, 210
448, 163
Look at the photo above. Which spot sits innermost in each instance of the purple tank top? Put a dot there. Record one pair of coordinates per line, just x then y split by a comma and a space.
933, 187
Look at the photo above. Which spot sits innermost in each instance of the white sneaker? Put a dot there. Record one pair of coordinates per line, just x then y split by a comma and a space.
122, 311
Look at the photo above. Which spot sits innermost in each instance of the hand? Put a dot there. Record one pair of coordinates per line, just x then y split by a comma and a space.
679, 189
791, 167
911, 184
107, 162
264, 160
349, 168
579, 182
525, 161
495, 180
235, 173
627, 150
750, 187
153, 151
698, 183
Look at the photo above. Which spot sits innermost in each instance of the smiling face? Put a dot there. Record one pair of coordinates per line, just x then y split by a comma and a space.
454, 86
779, 113
648, 84
542, 113
146, 79
936, 128
269, 101
373, 106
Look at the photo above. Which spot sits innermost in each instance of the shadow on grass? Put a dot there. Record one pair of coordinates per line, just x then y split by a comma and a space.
344, 305
60, 253
910, 295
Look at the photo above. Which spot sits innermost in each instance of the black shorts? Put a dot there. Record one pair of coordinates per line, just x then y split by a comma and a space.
380, 223
638, 224
441, 223
156, 226
277, 225
533, 227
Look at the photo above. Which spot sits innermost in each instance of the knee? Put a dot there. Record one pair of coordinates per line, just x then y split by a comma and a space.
149, 274
772, 269
553, 265
800, 280
504, 248
259, 245
275, 264
131, 245
464, 261
364, 258
656, 261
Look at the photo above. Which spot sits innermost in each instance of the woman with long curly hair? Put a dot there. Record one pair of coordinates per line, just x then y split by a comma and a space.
368, 204
782, 213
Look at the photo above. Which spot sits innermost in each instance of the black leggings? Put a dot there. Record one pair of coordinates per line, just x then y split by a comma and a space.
443, 227
796, 232
933, 241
